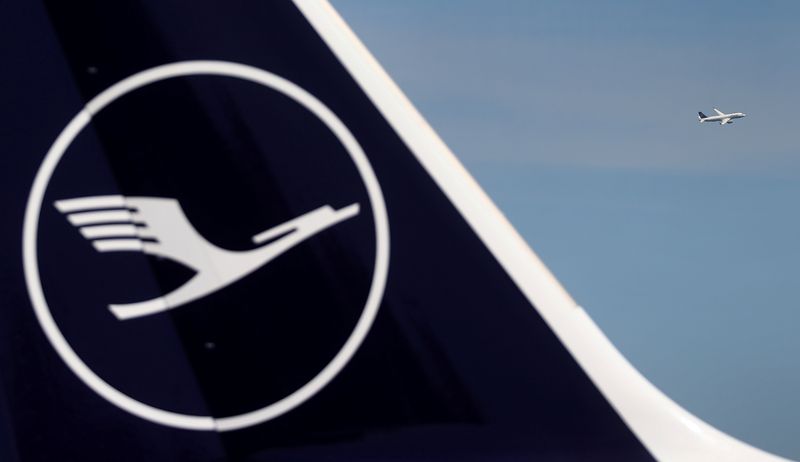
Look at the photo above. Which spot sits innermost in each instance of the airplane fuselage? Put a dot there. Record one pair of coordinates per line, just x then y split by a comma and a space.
721, 117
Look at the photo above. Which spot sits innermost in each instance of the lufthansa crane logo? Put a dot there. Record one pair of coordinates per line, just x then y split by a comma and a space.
158, 226
162, 225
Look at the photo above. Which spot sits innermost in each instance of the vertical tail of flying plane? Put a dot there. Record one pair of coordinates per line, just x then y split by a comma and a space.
421, 328
701, 116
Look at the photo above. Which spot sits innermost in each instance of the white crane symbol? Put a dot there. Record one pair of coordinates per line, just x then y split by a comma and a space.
158, 226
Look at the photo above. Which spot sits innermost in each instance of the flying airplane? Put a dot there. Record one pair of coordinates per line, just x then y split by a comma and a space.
388, 312
721, 117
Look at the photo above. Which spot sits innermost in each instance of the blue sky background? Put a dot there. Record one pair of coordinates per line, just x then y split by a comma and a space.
579, 118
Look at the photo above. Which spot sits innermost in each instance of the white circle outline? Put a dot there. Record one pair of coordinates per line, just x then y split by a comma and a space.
31, 267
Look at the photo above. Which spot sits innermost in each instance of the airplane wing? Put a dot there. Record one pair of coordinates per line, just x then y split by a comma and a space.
718, 111
726, 120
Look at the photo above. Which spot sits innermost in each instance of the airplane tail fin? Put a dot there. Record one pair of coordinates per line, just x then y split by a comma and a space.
421, 327
701, 116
